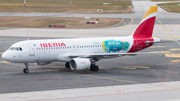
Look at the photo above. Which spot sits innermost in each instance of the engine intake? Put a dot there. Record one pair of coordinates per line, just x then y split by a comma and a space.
79, 64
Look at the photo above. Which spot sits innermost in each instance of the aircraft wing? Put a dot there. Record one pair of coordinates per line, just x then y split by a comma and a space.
110, 54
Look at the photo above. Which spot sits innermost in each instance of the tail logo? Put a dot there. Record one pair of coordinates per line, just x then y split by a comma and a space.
145, 28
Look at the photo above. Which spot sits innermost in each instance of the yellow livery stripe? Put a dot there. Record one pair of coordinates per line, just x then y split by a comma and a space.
151, 10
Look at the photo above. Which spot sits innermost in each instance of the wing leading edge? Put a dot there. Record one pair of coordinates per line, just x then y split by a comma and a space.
101, 55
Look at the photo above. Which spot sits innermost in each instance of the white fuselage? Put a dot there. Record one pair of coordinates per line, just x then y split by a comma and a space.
58, 49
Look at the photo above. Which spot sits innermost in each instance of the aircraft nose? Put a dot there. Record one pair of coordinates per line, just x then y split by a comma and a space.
5, 56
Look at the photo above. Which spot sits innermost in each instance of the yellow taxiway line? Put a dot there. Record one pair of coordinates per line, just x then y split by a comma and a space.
173, 55
130, 22
169, 32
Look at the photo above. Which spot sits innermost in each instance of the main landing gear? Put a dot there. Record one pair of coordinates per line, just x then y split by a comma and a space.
94, 68
26, 70
67, 65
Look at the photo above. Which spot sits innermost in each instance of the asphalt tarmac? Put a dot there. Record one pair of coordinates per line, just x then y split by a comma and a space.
118, 71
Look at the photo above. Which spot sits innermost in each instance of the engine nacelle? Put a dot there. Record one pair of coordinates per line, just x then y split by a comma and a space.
79, 64
42, 63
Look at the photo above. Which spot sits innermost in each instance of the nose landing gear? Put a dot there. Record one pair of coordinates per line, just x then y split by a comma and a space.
26, 70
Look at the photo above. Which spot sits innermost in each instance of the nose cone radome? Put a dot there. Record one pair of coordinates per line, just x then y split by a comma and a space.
5, 56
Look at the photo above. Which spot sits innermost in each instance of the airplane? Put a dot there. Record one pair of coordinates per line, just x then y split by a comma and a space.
83, 53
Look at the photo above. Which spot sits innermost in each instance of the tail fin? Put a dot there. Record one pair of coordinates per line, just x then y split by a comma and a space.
145, 28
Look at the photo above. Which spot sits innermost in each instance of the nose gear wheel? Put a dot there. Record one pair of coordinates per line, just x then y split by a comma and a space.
26, 70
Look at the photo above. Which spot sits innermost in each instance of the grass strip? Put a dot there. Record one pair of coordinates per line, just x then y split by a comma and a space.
63, 6
171, 7
44, 22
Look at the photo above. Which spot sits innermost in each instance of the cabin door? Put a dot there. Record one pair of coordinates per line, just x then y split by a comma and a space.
31, 49
135, 44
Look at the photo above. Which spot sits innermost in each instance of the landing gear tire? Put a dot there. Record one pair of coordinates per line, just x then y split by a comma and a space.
94, 68
26, 70
67, 65
91, 68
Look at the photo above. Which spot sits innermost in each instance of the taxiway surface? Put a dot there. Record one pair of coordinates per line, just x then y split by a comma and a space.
118, 71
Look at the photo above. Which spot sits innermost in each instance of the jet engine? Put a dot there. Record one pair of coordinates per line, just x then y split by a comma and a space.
42, 63
79, 63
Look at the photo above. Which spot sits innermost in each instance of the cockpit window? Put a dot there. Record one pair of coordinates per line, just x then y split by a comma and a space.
15, 48
20, 48
11, 48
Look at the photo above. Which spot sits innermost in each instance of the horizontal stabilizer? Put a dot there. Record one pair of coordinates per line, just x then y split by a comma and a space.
168, 41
